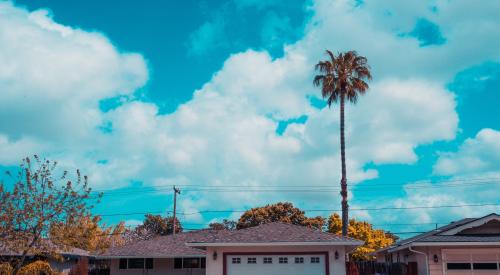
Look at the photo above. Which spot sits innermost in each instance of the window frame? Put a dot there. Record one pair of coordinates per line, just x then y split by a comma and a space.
267, 260
251, 260
283, 260
236, 260
456, 266
180, 263
483, 266
299, 260
124, 263
315, 260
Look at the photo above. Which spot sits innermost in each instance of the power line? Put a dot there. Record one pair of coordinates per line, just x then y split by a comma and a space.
416, 185
312, 189
314, 210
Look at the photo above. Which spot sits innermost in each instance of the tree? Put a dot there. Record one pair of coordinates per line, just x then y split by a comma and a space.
37, 267
155, 225
86, 234
374, 238
224, 225
342, 78
280, 212
38, 199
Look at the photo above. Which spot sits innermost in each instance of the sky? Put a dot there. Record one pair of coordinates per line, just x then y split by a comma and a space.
216, 97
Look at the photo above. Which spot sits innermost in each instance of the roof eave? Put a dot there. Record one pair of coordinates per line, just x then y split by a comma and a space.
398, 248
146, 256
247, 244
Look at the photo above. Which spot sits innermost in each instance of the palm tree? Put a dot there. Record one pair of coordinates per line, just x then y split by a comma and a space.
343, 78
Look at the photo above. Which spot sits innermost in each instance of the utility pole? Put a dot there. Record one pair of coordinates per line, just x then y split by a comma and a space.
176, 191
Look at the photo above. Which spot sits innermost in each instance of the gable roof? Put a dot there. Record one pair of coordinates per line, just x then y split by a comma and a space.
68, 251
169, 246
447, 235
276, 233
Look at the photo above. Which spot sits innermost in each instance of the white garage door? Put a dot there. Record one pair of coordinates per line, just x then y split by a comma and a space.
472, 261
276, 264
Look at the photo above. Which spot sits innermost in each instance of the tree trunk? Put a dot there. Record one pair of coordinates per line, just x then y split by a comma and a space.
20, 263
343, 181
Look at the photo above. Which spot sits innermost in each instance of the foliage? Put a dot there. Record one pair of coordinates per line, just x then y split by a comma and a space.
38, 200
374, 238
5, 269
224, 225
37, 268
280, 212
155, 225
86, 234
342, 76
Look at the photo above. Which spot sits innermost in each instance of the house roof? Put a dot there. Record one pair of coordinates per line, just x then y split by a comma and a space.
441, 235
276, 233
169, 246
68, 251
189, 244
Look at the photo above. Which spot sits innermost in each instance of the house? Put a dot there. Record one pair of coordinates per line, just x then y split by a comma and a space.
274, 248
469, 246
69, 258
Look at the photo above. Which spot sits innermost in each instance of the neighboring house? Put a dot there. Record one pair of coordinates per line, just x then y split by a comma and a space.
469, 246
268, 249
70, 258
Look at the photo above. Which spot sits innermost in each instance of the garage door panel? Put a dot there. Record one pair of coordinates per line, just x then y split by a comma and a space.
472, 261
276, 264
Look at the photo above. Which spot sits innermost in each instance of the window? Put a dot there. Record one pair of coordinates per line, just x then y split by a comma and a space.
178, 263
314, 260
149, 263
458, 266
136, 263
183, 263
236, 260
123, 263
283, 260
203, 263
299, 260
251, 260
484, 266
191, 263
268, 260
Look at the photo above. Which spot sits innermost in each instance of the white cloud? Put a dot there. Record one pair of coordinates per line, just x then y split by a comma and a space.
477, 155
52, 79
226, 135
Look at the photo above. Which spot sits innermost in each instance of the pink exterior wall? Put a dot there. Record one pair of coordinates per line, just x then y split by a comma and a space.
337, 267
406, 256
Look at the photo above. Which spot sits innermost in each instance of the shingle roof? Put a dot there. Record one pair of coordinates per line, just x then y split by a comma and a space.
277, 232
436, 231
164, 246
178, 245
460, 238
435, 236
69, 251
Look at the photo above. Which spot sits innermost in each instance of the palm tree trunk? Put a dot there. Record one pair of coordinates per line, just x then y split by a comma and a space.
343, 181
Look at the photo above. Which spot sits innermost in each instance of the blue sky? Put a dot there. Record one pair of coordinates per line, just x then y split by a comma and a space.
216, 96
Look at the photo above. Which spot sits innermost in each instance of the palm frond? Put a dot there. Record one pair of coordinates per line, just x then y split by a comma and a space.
342, 75
331, 55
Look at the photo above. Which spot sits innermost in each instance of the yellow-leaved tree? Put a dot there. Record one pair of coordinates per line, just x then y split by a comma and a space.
374, 238
86, 233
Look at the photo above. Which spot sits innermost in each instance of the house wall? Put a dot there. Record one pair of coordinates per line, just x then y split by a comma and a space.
215, 267
62, 267
160, 267
435, 268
